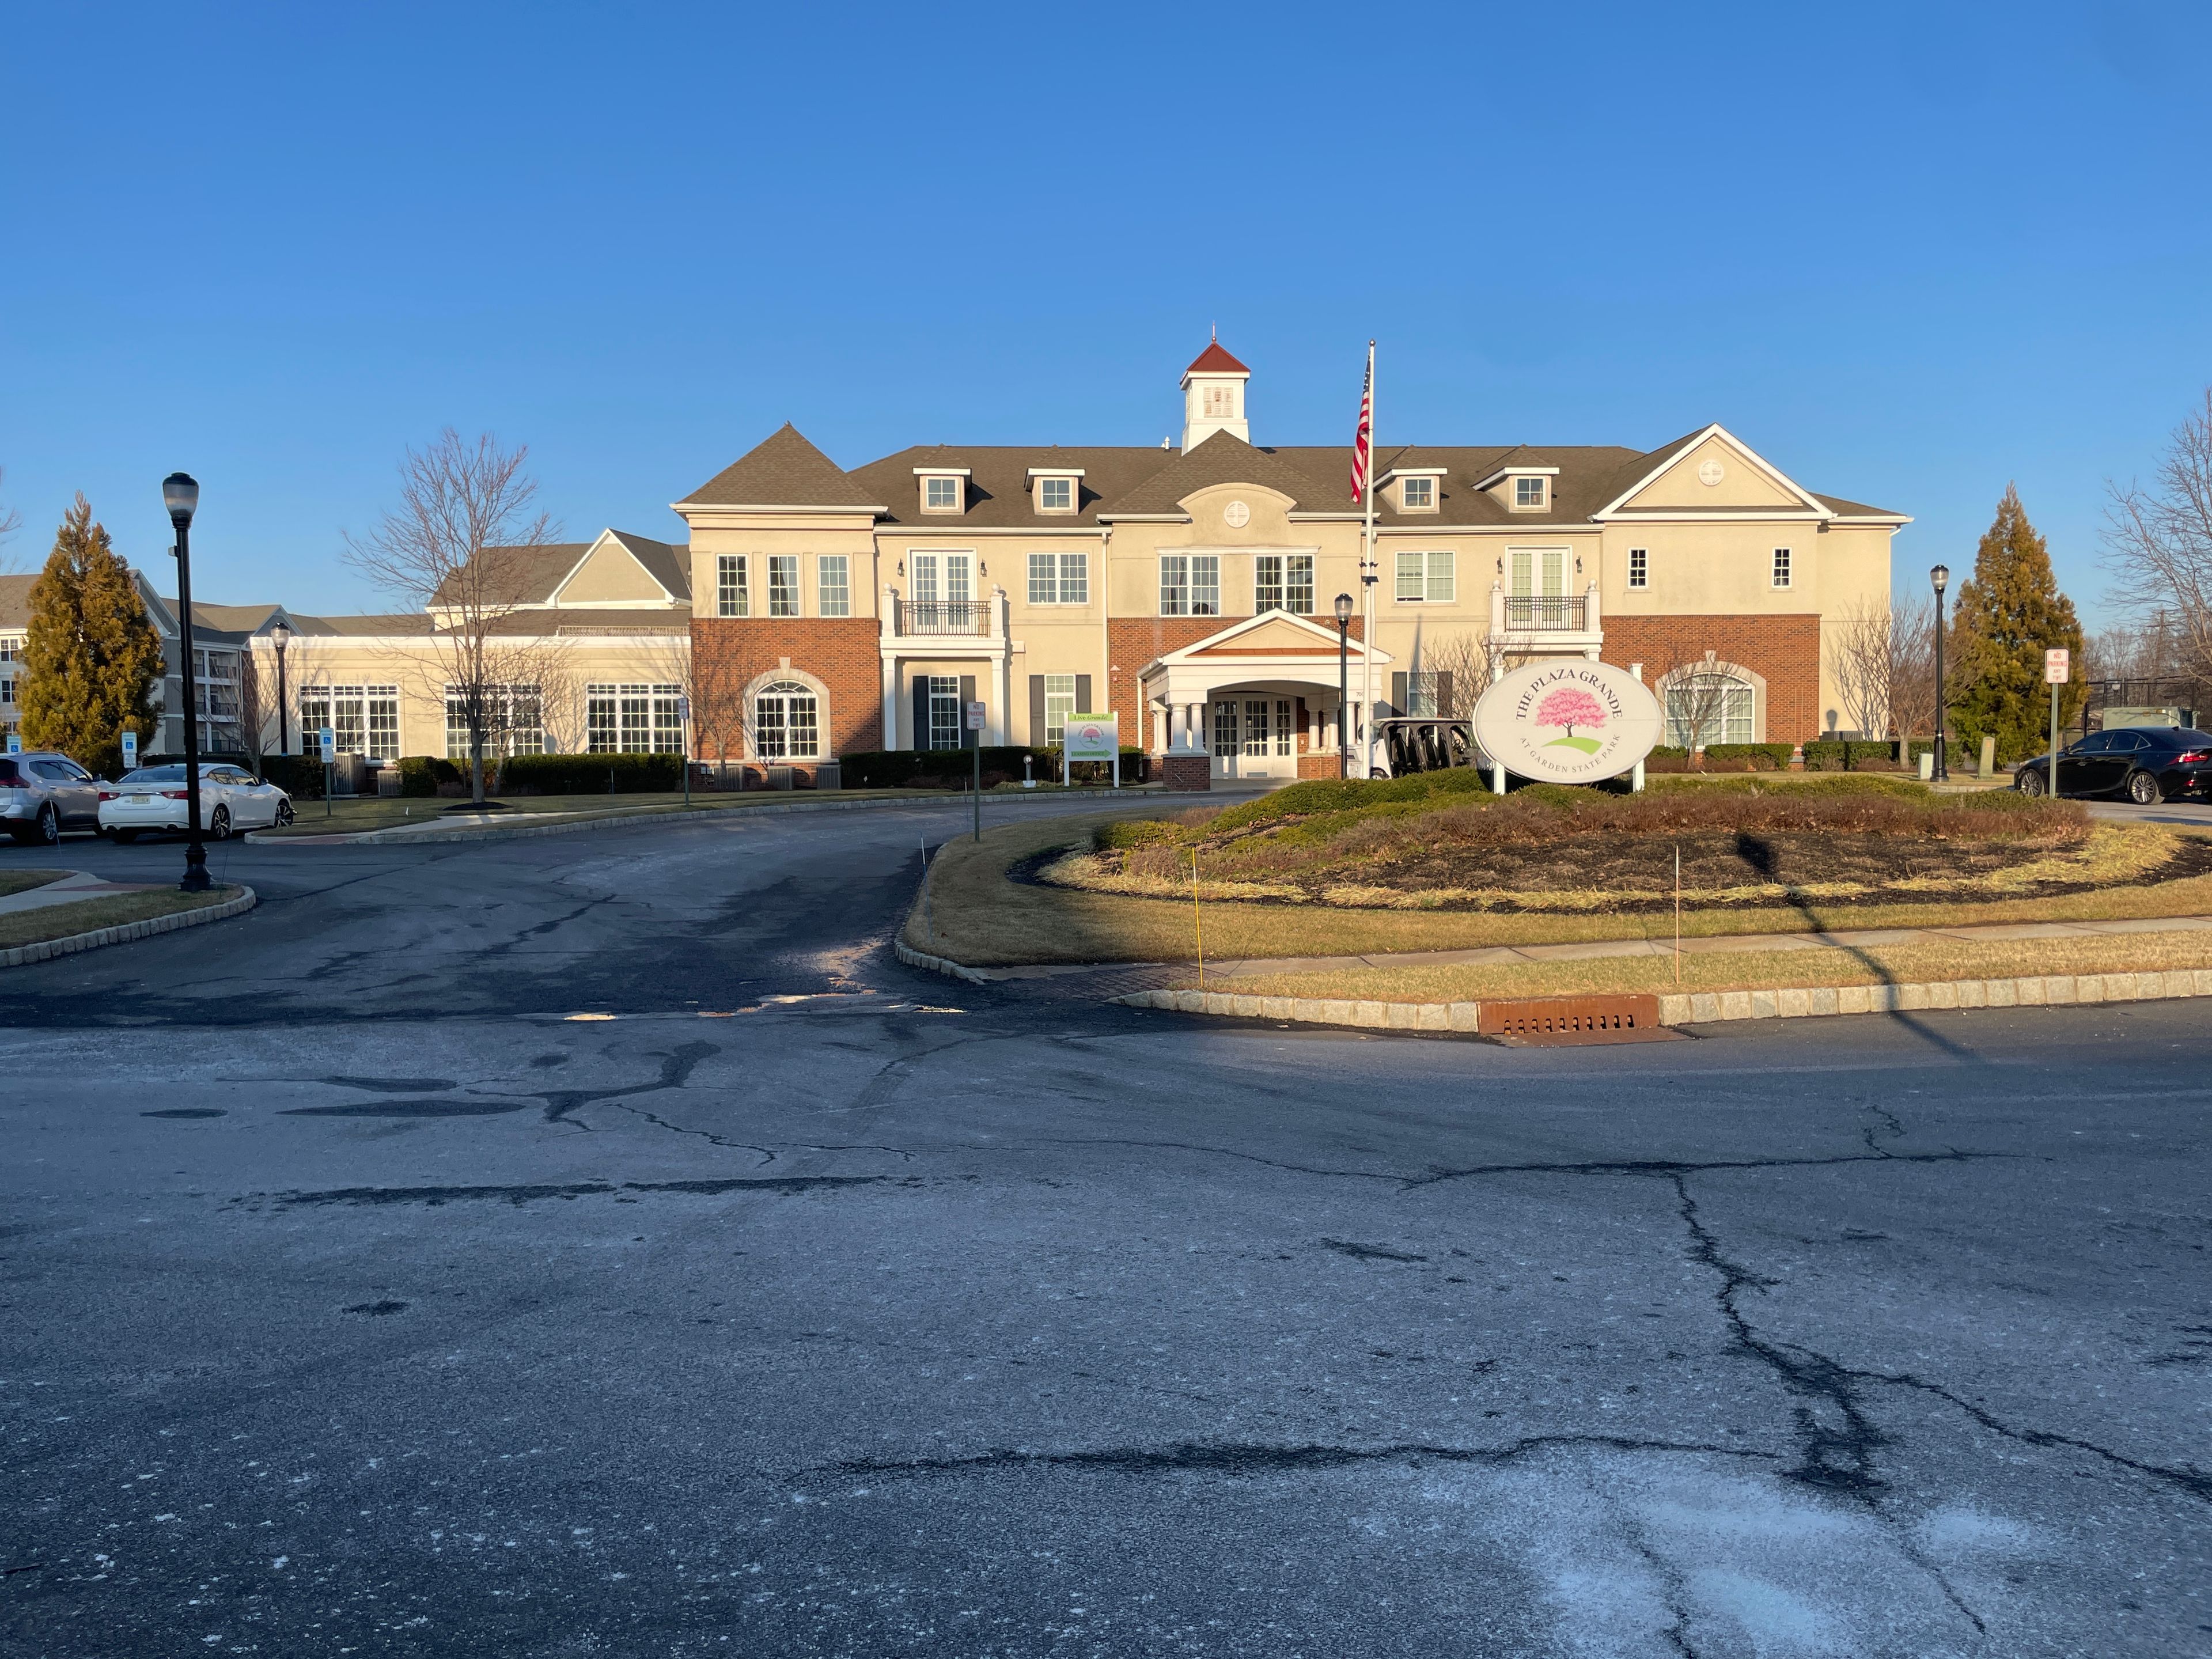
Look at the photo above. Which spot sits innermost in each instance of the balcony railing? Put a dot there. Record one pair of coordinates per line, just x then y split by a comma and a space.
1549, 612
963, 616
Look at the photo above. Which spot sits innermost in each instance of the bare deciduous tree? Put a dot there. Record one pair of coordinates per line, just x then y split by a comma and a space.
462, 545
11, 520
1863, 659
1912, 667
2158, 543
1694, 693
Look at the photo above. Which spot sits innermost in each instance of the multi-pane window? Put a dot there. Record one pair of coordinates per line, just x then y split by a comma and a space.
1056, 494
383, 722
633, 720
733, 597
1283, 581
1425, 575
634, 706
1221, 402
786, 722
1528, 492
600, 728
667, 720
1708, 708
941, 495
946, 724
350, 715
833, 589
314, 713
1421, 695
1639, 566
1417, 494
783, 584
1060, 578
1781, 567
1225, 740
513, 721
1058, 705
1190, 583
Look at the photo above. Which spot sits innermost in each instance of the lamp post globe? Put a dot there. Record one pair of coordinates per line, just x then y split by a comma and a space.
1343, 685
1939, 578
180, 495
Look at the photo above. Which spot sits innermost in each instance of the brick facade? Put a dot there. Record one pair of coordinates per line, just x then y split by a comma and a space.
1783, 651
841, 652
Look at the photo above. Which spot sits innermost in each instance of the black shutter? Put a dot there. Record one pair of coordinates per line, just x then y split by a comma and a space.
1397, 694
968, 740
1037, 710
1083, 703
1445, 711
921, 711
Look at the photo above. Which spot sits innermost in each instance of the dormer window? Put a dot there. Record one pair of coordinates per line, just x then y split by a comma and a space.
943, 489
1056, 489
1417, 494
1528, 493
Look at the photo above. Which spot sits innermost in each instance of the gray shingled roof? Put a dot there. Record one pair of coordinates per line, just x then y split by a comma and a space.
783, 469
1220, 459
997, 485
15, 601
666, 563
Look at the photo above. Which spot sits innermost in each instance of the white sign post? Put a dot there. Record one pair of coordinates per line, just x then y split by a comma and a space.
2057, 669
683, 721
976, 725
327, 740
1091, 738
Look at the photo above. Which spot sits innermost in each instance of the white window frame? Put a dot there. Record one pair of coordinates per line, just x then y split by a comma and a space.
734, 595
1190, 584
1059, 706
783, 597
1521, 485
1639, 566
1060, 578
1049, 487
833, 598
1417, 494
1780, 572
777, 735
1280, 580
951, 483
1425, 575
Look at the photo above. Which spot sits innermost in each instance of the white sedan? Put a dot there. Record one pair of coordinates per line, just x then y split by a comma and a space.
153, 798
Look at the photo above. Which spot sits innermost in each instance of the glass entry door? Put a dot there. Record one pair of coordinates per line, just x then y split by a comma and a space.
1255, 737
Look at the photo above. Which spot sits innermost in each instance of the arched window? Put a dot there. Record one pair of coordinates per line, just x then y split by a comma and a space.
786, 722
1709, 707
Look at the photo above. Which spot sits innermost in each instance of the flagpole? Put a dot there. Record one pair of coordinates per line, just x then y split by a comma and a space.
1367, 581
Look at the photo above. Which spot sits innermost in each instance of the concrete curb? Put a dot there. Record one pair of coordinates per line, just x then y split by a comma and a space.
944, 965
1712, 1007
399, 836
23, 955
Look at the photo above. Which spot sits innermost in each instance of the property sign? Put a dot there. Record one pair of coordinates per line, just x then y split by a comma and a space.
683, 708
1092, 737
974, 717
1567, 720
130, 749
15, 743
2057, 667
327, 737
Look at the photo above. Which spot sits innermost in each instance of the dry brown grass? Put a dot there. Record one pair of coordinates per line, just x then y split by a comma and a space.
977, 915
22, 881
1738, 970
88, 915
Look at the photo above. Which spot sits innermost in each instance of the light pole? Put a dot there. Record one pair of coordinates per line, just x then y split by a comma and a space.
181, 495
1941, 576
280, 636
1343, 685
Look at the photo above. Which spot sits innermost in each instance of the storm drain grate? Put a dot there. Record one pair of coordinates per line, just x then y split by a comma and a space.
1574, 1019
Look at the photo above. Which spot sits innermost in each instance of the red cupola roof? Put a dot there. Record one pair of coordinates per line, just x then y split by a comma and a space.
1215, 360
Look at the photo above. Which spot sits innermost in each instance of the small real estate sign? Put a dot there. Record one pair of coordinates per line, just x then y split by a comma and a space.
1567, 720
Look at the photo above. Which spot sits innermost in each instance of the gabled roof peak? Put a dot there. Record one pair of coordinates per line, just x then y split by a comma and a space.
1214, 360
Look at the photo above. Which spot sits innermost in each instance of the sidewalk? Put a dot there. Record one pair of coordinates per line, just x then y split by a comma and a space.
76, 885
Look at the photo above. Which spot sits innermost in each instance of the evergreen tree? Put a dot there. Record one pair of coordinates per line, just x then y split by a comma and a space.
91, 661
2008, 614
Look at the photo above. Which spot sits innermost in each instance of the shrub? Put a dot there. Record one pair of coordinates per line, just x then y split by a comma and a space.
587, 774
421, 775
941, 769
1761, 756
299, 777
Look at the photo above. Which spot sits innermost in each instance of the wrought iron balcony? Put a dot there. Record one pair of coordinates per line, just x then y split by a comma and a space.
1556, 613
959, 616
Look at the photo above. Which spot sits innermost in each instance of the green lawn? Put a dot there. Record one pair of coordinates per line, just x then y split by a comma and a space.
61, 920
22, 881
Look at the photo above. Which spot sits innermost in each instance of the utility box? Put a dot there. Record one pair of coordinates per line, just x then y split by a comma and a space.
349, 775
2116, 718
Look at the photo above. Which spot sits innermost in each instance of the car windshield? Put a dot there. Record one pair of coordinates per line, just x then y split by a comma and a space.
148, 775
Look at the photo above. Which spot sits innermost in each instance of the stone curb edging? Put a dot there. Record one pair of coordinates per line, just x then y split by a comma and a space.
399, 836
1712, 1007
23, 955
944, 965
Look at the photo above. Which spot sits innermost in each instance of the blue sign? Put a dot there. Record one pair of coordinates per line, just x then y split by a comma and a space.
328, 738
130, 748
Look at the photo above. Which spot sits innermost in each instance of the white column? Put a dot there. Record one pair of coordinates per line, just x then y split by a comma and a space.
890, 702
1497, 609
891, 613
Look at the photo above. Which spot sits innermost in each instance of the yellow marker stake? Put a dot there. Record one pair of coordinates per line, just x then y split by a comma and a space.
1678, 913
1194, 924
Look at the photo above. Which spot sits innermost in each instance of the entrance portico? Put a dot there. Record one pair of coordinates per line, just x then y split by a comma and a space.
1259, 698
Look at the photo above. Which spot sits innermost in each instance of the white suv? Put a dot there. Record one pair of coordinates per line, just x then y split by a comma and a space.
43, 793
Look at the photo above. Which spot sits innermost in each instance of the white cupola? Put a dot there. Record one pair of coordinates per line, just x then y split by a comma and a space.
1213, 397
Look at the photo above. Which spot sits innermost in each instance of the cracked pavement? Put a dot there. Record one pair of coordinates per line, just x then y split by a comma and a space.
361, 1298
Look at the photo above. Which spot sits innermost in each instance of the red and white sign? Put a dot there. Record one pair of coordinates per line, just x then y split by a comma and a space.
2057, 667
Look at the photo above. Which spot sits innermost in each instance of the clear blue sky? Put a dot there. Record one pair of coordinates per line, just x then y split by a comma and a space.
1909, 252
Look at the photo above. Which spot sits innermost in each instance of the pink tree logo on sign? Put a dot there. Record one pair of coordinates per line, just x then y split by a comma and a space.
1570, 707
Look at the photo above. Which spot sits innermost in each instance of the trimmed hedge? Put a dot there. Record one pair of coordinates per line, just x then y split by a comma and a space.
586, 775
1763, 756
941, 769
421, 775
1849, 754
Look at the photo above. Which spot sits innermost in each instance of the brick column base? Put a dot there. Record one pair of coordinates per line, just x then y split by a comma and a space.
1186, 771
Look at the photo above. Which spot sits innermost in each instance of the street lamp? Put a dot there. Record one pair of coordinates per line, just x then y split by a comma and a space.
280, 636
1343, 684
181, 495
1941, 576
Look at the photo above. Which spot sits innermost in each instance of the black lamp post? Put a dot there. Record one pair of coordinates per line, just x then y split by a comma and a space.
1941, 576
280, 636
181, 495
1343, 685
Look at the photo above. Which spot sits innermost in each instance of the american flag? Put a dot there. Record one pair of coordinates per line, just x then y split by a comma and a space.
1360, 441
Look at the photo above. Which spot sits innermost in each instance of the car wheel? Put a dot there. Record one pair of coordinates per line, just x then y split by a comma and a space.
2143, 790
47, 832
124, 837
2029, 783
219, 825
283, 813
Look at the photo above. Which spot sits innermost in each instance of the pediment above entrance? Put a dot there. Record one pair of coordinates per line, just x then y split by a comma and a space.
1249, 644
1275, 636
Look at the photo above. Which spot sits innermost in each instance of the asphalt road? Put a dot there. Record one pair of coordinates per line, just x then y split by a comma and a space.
356, 1296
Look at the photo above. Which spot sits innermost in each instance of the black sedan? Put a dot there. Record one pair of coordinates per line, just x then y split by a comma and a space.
2145, 763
